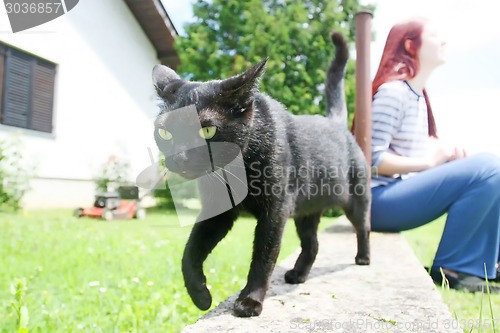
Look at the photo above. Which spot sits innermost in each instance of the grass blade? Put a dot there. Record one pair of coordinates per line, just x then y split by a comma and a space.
489, 297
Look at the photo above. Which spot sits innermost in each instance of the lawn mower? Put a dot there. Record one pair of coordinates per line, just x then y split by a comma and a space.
116, 206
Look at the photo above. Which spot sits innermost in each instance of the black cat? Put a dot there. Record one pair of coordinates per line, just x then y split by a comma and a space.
295, 166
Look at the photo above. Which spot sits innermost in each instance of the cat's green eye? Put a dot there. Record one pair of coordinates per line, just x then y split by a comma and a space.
164, 134
208, 132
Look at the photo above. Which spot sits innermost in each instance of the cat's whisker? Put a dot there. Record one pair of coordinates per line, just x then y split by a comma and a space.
223, 181
209, 175
232, 166
235, 176
218, 177
210, 178
214, 175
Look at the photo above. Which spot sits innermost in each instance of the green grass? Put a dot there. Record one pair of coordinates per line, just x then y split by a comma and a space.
469, 309
123, 276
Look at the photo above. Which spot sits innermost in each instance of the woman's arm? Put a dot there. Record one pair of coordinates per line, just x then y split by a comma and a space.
394, 164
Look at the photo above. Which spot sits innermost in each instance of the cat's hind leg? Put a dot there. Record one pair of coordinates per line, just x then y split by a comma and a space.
358, 212
307, 229
204, 237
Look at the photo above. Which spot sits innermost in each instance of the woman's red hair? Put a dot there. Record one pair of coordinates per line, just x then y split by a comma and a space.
400, 60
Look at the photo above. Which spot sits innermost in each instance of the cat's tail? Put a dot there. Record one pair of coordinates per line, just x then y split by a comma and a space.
336, 108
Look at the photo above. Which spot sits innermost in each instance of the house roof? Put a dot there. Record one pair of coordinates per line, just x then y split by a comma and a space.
157, 25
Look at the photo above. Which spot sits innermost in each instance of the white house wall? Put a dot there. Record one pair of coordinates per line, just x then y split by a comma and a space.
104, 101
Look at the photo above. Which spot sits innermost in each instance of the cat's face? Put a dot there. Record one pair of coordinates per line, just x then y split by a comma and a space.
197, 120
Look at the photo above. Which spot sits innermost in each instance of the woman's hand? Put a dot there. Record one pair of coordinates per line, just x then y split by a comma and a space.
459, 153
442, 152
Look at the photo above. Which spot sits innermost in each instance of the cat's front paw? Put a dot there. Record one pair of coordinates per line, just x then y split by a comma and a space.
200, 295
362, 260
293, 277
247, 307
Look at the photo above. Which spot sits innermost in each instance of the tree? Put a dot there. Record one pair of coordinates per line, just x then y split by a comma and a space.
230, 36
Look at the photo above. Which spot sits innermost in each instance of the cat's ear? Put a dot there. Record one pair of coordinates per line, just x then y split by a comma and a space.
162, 75
248, 79
239, 91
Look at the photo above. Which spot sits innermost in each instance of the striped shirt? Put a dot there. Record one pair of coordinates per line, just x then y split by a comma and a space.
399, 126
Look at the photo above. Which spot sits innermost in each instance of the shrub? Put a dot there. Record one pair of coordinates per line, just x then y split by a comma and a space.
111, 174
14, 174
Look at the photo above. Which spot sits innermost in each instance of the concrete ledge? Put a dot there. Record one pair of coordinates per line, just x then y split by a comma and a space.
393, 294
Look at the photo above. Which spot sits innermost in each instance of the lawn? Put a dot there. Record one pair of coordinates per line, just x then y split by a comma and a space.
469, 309
123, 276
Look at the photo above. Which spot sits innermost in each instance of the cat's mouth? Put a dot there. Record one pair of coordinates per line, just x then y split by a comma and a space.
188, 172
197, 162
188, 175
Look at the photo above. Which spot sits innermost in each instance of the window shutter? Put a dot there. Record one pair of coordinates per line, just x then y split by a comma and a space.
3, 50
28, 90
17, 89
43, 95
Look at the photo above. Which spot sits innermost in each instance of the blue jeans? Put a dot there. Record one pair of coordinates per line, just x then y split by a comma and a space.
469, 191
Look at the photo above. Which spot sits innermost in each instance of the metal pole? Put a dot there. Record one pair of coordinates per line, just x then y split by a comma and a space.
363, 111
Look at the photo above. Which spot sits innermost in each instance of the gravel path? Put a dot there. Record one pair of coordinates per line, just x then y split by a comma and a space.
393, 294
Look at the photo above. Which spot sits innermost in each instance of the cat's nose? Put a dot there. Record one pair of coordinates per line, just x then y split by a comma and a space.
180, 159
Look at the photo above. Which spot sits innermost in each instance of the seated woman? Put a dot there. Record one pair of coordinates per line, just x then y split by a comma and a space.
418, 178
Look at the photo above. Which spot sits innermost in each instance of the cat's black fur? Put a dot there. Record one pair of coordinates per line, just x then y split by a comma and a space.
273, 140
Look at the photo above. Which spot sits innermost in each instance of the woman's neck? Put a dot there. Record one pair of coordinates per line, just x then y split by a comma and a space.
417, 83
